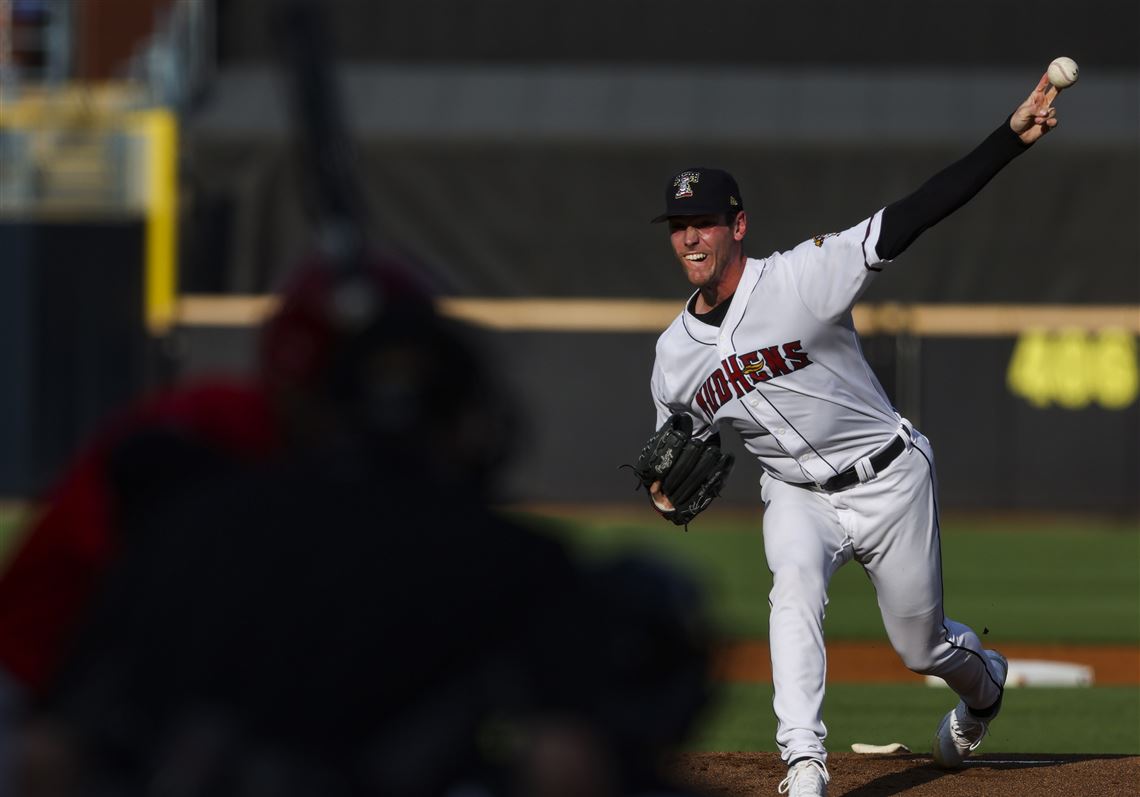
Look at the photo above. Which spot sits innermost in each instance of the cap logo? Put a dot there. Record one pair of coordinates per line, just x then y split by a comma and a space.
732, 200
683, 183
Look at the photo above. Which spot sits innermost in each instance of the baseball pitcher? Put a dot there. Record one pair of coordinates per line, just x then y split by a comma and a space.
767, 347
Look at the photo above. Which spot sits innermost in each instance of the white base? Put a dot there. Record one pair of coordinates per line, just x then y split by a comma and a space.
877, 749
1032, 672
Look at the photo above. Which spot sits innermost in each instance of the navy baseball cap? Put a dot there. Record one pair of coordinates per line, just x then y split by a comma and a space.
699, 192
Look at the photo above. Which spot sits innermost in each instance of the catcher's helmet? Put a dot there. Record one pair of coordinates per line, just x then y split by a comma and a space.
362, 353
324, 307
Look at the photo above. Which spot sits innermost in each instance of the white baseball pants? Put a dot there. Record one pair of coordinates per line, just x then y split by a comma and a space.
890, 526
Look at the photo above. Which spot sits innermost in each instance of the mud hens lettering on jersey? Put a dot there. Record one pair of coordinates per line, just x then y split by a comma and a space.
740, 373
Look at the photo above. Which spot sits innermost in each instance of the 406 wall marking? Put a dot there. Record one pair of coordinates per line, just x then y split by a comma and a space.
1074, 368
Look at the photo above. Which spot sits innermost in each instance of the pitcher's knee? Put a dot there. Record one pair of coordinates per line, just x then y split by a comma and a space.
921, 661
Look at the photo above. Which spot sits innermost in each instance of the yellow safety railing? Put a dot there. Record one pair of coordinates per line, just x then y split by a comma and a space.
653, 315
1071, 356
149, 184
159, 128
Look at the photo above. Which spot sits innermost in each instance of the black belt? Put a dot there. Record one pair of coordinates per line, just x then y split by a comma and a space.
879, 462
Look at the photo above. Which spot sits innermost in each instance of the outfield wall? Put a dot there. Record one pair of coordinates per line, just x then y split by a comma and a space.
1045, 420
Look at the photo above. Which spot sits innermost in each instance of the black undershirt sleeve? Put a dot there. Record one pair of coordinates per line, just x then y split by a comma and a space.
945, 192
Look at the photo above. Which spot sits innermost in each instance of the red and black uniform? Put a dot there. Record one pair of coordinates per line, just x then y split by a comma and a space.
163, 445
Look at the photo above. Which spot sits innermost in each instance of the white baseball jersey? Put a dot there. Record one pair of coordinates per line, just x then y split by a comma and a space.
785, 368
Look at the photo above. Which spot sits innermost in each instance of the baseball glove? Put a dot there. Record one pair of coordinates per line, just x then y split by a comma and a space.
691, 471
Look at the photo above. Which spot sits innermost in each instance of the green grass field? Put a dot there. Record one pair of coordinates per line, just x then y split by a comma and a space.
1098, 720
1065, 582
1058, 583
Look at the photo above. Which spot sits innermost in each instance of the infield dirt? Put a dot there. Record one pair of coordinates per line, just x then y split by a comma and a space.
997, 775
875, 662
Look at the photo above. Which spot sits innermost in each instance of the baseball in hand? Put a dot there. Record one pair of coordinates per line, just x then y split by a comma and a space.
1063, 72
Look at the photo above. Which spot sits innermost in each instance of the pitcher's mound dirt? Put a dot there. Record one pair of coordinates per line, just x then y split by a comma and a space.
995, 774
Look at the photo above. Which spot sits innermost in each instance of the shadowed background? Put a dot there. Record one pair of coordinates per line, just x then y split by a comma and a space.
517, 150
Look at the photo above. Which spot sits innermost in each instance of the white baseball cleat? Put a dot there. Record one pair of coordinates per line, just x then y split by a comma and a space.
961, 732
806, 778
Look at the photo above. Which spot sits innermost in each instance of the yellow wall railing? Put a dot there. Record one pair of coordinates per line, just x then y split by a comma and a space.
159, 128
80, 119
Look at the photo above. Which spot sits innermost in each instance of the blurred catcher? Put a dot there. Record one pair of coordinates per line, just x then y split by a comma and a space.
255, 635
296, 585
